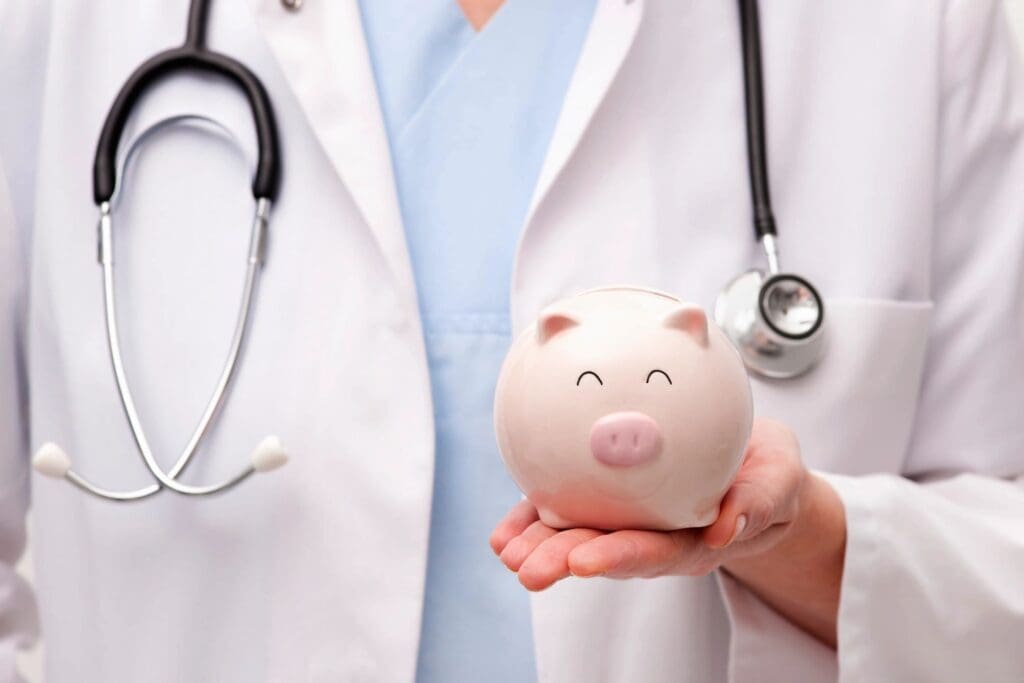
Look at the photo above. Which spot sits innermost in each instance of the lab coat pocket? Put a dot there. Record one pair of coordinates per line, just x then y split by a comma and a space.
854, 411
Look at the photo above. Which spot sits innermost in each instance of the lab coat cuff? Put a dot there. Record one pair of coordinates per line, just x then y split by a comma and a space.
9, 662
865, 500
764, 647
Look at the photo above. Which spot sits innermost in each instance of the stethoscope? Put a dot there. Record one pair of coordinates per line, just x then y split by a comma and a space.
774, 318
269, 454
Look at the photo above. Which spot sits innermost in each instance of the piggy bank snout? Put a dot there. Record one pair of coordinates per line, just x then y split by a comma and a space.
625, 439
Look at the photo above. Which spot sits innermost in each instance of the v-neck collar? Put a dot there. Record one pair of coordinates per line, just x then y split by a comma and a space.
322, 53
412, 48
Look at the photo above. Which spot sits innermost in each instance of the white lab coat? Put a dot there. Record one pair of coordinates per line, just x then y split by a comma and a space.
898, 175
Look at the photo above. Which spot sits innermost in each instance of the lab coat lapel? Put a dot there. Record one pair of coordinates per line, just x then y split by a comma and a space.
322, 53
612, 31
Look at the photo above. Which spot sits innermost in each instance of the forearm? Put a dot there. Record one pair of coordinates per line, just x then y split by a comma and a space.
801, 575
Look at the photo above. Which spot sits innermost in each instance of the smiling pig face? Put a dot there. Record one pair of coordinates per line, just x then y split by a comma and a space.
623, 408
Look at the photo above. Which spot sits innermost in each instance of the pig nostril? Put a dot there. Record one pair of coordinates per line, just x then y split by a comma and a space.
615, 437
636, 440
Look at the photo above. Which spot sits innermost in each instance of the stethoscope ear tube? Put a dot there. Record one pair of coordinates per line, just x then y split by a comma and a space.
51, 460
192, 56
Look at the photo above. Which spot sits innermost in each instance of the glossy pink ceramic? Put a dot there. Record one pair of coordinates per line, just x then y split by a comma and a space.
623, 408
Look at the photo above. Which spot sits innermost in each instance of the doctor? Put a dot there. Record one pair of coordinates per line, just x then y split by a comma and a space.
897, 166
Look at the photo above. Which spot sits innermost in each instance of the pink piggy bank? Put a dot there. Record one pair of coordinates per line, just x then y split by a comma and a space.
623, 408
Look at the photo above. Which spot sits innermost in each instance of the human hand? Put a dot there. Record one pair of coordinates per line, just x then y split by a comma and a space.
756, 513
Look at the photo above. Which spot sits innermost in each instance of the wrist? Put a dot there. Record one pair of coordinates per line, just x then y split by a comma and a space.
817, 532
800, 576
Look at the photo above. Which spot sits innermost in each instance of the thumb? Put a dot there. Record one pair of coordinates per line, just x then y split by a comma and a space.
742, 514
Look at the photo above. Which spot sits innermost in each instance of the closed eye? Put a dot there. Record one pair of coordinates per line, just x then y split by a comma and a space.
652, 373
588, 372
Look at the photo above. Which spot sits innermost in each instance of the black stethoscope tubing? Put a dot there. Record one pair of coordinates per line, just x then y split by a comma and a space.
192, 55
753, 91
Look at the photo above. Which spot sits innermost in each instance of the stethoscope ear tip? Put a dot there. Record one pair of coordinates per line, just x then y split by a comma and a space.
51, 461
269, 455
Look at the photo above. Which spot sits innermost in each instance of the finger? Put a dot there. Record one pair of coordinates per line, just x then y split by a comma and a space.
549, 562
624, 554
519, 548
522, 515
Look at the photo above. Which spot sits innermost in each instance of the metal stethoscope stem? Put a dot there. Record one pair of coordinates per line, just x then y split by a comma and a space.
117, 362
771, 252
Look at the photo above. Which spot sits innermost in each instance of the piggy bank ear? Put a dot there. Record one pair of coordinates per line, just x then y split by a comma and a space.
552, 322
690, 319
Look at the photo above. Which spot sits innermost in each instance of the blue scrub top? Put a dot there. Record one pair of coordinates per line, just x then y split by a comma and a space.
469, 117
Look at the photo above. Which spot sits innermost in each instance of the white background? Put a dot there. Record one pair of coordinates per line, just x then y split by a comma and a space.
31, 664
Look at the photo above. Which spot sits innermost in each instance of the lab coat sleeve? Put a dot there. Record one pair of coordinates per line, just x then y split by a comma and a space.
933, 584
22, 67
17, 609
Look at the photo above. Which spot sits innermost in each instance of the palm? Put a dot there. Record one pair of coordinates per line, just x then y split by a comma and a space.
754, 513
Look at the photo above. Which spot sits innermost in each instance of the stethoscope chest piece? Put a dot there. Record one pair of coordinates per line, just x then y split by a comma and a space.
774, 318
776, 322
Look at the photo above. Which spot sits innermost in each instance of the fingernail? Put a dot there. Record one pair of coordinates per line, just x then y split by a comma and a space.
506, 555
741, 524
583, 566
586, 572
583, 570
